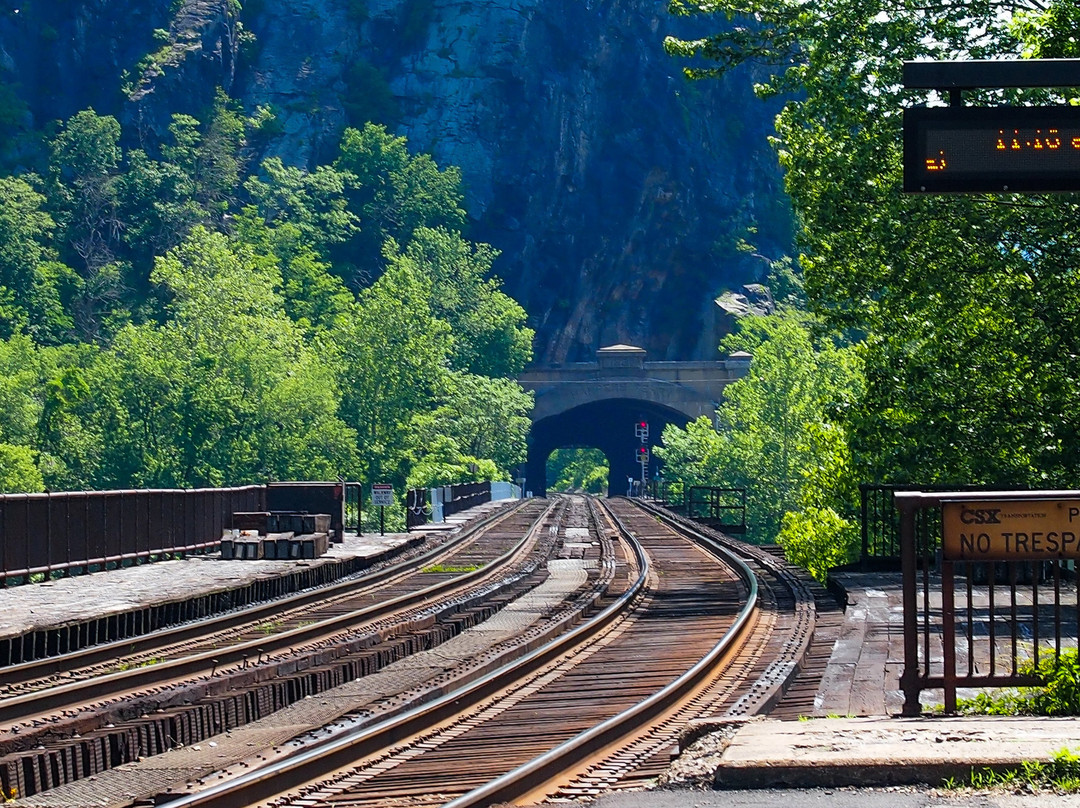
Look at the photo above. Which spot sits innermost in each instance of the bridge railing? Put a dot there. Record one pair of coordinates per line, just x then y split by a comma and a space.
79, 531
722, 508
880, 522
421, 505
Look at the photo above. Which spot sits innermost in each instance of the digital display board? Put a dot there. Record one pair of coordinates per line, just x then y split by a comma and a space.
991, 149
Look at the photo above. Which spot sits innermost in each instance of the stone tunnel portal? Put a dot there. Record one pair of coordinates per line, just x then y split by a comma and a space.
607, 425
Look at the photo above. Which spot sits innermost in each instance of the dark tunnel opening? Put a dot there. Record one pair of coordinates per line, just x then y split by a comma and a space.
611, 426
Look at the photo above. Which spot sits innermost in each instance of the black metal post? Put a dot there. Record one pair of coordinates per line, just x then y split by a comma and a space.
909, 679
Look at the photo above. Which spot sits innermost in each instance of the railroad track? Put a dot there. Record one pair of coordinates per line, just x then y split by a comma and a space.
687, 631
187, 698
583, 711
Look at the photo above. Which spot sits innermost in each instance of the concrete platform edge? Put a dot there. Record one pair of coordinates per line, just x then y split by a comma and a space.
834, 753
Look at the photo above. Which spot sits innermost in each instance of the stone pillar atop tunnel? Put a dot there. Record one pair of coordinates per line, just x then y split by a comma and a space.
621, 360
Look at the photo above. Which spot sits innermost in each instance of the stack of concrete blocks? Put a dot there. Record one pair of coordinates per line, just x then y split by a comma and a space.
276, 535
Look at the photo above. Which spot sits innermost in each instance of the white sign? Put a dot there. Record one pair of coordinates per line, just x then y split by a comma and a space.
382, 494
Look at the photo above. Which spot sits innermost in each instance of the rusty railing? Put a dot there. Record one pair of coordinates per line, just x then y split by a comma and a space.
978, 623
79, 531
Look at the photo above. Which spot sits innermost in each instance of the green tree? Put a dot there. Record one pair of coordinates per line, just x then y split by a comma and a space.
313, 202
393, 193
576, 469
490, 337
33, 288
482, 417
19, 473
227, 391
83, 193
393, 354
772, 425
966, 305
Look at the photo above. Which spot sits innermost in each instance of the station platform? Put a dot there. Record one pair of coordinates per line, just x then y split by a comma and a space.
110, 599
852, 736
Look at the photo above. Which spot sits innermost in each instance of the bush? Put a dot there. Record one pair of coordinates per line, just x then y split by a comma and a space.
817, 539
1059, 693
19, 473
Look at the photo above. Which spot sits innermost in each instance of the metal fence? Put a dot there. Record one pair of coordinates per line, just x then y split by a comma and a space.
669, 493
420, 505
721, 508
972, 623
880, 521
43, 534
465, 496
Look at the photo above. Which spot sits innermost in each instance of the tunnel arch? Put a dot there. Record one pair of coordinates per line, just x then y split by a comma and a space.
607, 425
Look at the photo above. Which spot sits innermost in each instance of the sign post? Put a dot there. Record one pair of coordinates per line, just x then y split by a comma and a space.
382, 494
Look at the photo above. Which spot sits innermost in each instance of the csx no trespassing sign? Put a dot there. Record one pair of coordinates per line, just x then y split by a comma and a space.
1011, 530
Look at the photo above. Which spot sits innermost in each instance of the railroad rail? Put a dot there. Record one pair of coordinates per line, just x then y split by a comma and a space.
676, 622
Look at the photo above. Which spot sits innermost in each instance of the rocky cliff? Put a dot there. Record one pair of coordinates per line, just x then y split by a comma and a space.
617, 192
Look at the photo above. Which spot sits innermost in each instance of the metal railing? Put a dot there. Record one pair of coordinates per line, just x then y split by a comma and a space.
976, 623
465, 496
79, 531
880, 522
453, 499
721, 508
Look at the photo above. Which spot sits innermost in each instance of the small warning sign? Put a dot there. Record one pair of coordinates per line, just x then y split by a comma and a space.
1011, 530
382, 494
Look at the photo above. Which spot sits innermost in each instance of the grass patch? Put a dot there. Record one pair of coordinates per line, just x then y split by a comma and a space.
1057, 694
1061, 775
146, 663
452, 568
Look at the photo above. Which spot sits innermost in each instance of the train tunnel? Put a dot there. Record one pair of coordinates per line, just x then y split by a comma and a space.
608, 425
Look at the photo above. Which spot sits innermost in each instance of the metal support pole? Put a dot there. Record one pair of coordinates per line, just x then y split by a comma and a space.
948, 634
909, 679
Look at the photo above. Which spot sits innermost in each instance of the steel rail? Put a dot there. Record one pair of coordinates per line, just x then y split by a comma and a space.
305, 765
124, 682
551, 764
106, 652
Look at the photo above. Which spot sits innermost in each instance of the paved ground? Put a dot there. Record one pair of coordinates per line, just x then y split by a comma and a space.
858, 739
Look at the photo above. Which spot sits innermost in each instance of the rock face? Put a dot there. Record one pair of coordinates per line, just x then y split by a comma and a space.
618, 193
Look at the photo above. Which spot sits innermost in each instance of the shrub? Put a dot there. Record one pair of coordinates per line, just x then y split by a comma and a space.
817, 539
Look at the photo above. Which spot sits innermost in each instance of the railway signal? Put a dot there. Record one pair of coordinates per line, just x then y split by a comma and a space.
643, 455
641, 430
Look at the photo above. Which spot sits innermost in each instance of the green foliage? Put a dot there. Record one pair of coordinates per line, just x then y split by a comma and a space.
19, 473
393, 193
573, 469
452, 568
818, 539
1060, 774
483, 417
173, 321
1050, 31
1058, 693
490, 326
367, 96
444, 465
964, 305
777, 432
